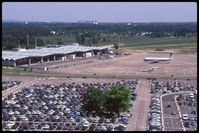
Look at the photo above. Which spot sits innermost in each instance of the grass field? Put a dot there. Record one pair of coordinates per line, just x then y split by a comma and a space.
182, 45
20, 72
156, 41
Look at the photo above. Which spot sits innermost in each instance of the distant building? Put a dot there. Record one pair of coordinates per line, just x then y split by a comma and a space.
53, 46
88, 22
53, 32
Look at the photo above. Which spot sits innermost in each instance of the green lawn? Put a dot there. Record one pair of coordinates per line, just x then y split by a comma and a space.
183, 45
156, 41
20, 72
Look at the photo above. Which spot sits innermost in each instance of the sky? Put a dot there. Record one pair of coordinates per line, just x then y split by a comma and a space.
100, 11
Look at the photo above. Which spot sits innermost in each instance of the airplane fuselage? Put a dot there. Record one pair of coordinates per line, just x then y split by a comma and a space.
157, 59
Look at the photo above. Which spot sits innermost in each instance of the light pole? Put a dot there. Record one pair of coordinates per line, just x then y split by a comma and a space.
19, 44
28, 41
36, 42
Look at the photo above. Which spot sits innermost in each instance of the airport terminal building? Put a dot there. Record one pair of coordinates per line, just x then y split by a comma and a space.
28, 57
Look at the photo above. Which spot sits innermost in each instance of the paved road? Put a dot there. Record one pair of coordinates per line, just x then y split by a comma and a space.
92, 75
138, 121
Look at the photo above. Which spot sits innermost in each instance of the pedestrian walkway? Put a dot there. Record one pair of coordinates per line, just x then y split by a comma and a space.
138, 121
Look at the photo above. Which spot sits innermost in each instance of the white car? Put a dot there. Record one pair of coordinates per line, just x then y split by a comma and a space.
67, 110
156, 117
154, 107
155, 111
72, 120
24, 118
25, 107
10, 112
122, 125
28, 112
51, 112
155, 123
56, 117
185, 117
108, 121
10, 124
86, 124
13, 118
17, 112
36, 112
155, 120
45, 127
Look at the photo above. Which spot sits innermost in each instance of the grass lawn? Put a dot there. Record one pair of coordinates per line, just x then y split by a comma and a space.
182, 45
20, 72
156, 41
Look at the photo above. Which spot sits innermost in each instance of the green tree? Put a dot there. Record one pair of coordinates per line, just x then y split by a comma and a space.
118, 99
40, 42
116, 45
94, 100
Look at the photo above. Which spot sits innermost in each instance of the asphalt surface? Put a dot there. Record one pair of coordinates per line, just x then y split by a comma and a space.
171, 121
138, 121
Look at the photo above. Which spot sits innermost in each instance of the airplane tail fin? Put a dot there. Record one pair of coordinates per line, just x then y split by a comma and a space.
170, 55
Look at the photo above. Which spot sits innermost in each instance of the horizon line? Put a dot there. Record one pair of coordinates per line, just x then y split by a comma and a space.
85, 21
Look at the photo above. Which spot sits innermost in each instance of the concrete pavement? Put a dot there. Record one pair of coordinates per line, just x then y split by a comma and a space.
138, 121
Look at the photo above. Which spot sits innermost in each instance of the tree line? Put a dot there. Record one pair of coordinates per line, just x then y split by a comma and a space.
89, 34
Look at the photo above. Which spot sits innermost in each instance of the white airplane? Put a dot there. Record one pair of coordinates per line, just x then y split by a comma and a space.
157, 59
147, 69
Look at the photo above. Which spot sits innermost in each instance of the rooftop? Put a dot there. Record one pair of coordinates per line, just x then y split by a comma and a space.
13, 55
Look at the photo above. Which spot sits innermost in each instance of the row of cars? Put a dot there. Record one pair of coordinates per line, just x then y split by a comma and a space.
169, 87
154, 116
49, 107
9, 84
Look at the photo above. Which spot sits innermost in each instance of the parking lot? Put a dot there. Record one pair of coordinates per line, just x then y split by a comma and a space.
188, 107
170, 118
9, 84
51, 107
170, 114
